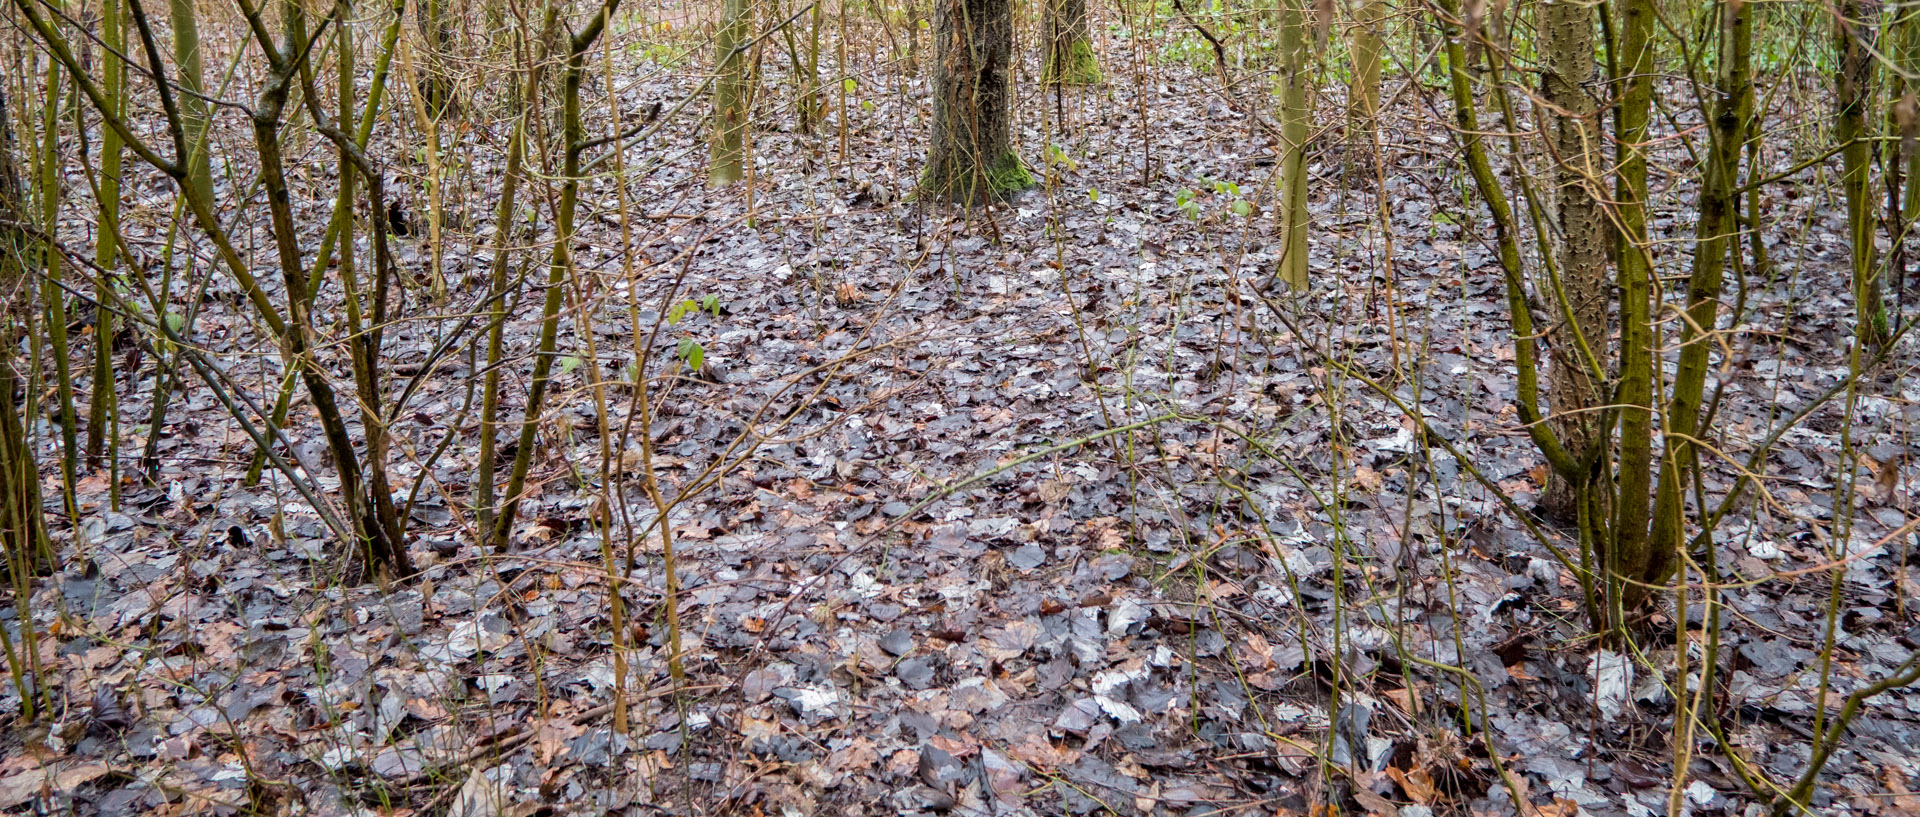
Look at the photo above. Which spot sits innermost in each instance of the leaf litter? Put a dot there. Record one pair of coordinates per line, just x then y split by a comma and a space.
1164, 622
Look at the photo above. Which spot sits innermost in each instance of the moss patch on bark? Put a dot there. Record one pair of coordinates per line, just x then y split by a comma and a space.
1078, 66
996, 182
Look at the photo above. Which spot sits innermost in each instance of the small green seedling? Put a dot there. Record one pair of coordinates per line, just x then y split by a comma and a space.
692, 352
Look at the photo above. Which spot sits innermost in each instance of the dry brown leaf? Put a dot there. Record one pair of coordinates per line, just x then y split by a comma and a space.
1560, 808
1408, 702
1417, 784
1374, 803
1904, 801
1259, 650
957, 747
848, 294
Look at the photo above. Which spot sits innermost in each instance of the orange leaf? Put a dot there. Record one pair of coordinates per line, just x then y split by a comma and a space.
1417, 784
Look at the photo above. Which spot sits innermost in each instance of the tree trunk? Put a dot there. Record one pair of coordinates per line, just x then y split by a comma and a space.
732, 94
1578, 292
1363, 91
1630, 555
1903, 164
20, 524
970, 159
23, 539
499, 286
101, 403
1715, 231
342, 207
1069, 59
436, 29
1294, 67
1526, 358
559, 266
52, 278
1853, 36
193, 108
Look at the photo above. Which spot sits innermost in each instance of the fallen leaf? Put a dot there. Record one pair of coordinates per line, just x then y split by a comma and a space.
1374, 803
1417, 784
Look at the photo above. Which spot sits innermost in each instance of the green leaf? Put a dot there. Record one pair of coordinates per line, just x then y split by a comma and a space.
176, 322
1242, 207
679, 311
691, 351
568, 364
849, 85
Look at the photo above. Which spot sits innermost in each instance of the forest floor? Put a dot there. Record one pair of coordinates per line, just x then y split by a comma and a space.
1237, 605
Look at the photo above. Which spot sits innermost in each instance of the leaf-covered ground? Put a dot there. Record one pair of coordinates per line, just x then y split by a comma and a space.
1272, 593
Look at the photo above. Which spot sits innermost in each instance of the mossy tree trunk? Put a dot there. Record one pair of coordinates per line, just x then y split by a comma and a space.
1506, 231
53, 276
1363, 90
101, 403
374, 527
559, 266
193, 107
436, 30
1629, 556
732, 94
1853, 34
1904, 163
500, 286
20, 517
1069, 59
23, 537
1715, 234
1294, 67
342, 207
971, 160
1577, 286
364, 484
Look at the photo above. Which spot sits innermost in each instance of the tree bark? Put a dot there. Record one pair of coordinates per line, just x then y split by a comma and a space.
23, 539
52, 278
1293, 149
1853, 35
1069, 59
1903, 122
1578, 292
970, 159
1363, 91
436, 29
21, 528
732, 95
1473, 148
193, 108
559, 266
101, 403
1630, 556
1715, 232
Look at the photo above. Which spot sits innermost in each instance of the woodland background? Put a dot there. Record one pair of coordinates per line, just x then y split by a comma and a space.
1295, 407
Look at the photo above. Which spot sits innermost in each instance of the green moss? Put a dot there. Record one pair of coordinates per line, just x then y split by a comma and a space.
1081, 68
1001, 180
1008, 175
